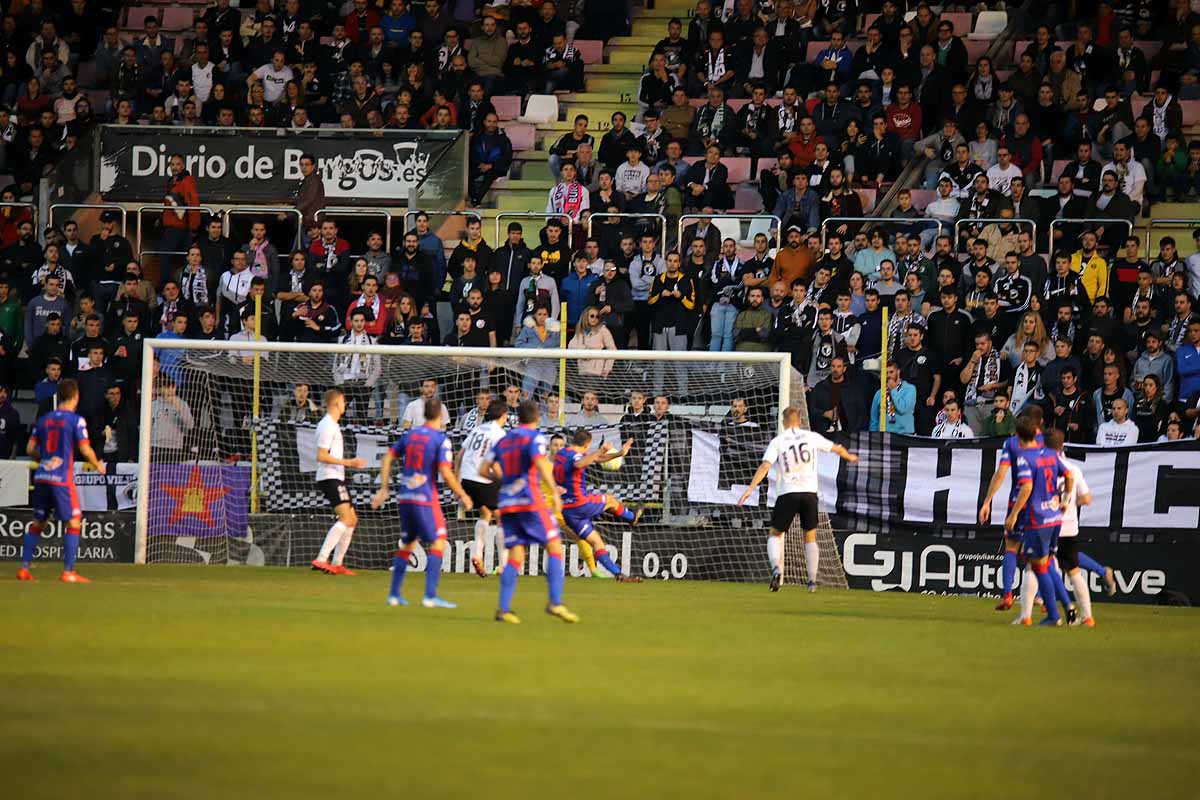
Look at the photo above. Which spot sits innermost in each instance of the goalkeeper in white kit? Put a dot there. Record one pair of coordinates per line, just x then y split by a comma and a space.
795, 452
483, 490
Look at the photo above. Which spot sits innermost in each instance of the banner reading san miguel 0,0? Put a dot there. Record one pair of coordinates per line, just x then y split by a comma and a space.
263, 165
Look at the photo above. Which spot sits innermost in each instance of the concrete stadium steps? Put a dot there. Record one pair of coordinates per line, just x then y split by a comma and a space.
645, 41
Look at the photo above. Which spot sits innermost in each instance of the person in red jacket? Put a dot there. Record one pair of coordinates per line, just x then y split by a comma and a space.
179, 226
360, 21
904, 120
371, 300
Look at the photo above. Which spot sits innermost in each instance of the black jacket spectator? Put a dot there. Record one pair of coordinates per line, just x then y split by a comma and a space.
851, 405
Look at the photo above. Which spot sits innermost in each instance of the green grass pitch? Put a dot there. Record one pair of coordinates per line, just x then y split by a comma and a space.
227, 682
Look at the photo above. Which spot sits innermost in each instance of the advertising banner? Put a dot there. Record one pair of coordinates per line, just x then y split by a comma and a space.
263, 165
105, 537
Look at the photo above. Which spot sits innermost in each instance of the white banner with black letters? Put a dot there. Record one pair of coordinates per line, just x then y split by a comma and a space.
907, 483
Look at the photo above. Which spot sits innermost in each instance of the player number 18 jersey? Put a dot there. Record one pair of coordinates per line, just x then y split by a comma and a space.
794, 454
476, 446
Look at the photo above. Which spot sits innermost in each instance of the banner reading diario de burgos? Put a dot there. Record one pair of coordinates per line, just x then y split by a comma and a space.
105, 537
233, 165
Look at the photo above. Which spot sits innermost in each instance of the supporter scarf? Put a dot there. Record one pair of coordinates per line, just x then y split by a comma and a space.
716, 64
987, 370
568, 199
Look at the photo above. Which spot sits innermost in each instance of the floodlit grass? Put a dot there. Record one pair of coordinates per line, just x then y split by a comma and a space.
228, 682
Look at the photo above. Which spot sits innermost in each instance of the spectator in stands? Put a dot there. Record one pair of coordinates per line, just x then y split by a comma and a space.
900, 404
939, 148
1187, 363
171, 421
799, 206
984, 375
592, 333
491, 156
837, 403
881, 157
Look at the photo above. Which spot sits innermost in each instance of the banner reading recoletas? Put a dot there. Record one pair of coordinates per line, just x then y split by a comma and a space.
908, 483
241, 165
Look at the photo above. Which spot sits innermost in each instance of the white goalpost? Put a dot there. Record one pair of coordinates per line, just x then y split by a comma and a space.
227, 453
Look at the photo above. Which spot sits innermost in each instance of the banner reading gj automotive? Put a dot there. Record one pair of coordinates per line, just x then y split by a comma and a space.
236, 165
902, 483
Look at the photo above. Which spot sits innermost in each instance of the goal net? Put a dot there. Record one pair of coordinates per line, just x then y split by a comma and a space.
228, 472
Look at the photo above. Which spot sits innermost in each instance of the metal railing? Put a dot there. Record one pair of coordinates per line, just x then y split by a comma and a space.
990, 220
661, 218
570, 223
876, 221
739, 217
346, 211
1152, 223
275, 211
101, 207
137, 216
409, 226
1093, 221
33, 212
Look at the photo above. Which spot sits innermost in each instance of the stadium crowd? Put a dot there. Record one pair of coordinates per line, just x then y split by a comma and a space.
980, 325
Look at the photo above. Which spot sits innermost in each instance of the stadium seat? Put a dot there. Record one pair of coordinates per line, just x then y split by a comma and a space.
99, 99
729, 228
961, 20
540, 108
989, 25
976, 48
508, 107
739, 169
137, 14
176, 19
523, 137
590, 50
87, 74
747, 197
923, 197
1056, 169
758, 226
867, 196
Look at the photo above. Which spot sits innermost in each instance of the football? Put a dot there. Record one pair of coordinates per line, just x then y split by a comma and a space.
613, 464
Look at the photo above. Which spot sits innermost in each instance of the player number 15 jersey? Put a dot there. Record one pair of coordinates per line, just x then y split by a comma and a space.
794, 454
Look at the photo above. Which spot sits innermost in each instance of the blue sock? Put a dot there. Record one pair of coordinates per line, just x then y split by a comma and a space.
1090, 564
70, 550
554, 577
1060, 588
433, 573
28, 545
605, 560
1008, 571
508, 585
399, 567
624, 512
1046, 587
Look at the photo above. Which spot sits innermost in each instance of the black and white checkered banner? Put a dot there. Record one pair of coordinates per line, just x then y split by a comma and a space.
904, 483
287, 458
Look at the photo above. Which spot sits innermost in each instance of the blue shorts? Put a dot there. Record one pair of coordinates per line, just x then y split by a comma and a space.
581, 517
1037, 542
421, 522
61, 502
528, 527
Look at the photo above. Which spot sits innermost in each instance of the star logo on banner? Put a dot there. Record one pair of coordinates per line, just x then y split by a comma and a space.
194, 498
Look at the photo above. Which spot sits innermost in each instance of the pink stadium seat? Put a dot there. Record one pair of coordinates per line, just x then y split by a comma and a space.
747, 197
135, 19
99, 99
521, 136
1191, 112
923, 197
868, 199
176, 19
1137, 103
976, 48
739, 169
508, 107
738, 103
764, 163
1056, 169
961, 21
591, 50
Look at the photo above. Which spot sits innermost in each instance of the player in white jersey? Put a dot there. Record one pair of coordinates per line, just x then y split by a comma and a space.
331, 478
1068, 535
795, 452
482, 490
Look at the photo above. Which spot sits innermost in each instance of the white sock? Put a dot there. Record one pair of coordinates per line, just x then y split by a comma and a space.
1028, 592
501, 550
1083, 597
343, 545
331, 539
812, 556
481, 530
774, 552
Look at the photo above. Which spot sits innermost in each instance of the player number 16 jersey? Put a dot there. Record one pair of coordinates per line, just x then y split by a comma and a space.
794, 454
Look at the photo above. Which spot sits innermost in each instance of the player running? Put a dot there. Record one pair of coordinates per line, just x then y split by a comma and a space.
426, 453
1012, 538
518, 461
580, 507
484, 492
53, 443
1038, 471
1067, 550
795, 450
331, 479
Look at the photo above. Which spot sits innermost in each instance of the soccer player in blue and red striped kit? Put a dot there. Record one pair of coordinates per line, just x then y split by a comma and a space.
426, 453
53, 444
581, 507
1038, 471
520, 463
